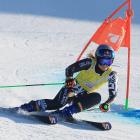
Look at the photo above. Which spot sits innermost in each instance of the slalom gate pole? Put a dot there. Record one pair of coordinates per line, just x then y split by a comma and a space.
30, 85
129, 55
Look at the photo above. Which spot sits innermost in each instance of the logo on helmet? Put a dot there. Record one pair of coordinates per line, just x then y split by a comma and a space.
107, 53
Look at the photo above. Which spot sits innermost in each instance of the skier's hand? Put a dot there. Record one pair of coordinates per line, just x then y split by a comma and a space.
70, 83
104, 107
71, 94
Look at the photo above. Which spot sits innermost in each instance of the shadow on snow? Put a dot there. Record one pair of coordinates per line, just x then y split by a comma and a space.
131, 112
27, 119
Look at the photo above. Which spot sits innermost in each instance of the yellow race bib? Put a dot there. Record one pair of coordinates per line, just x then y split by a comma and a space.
90, 80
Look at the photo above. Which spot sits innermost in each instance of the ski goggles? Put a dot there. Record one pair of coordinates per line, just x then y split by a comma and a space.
107, 62
106, 54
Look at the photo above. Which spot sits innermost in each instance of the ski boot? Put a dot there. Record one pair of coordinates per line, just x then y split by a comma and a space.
33, 106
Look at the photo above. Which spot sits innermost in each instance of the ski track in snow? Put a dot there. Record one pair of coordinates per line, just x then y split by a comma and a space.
37, 49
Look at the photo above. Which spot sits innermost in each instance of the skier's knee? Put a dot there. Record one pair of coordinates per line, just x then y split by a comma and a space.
89, 101
98, 98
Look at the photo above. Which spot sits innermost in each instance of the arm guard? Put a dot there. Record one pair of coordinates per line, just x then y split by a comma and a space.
78, 66
113, 86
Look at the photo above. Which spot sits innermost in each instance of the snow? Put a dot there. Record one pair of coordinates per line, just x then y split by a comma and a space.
38, 40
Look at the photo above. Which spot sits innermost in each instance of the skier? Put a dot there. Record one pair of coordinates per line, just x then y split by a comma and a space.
79, 92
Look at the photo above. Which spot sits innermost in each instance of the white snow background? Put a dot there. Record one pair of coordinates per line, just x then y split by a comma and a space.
38, 40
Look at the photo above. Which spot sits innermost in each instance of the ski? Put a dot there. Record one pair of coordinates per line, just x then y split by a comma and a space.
48, 119
99, 125
52, 119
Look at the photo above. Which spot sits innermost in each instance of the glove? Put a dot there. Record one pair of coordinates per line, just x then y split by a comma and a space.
70, 83
104, 107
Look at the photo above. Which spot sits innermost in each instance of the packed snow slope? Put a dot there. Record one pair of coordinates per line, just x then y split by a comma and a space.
38, 40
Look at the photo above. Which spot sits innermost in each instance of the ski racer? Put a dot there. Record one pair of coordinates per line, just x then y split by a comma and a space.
79, 92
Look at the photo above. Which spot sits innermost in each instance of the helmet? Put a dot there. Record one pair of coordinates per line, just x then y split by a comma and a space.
104, 55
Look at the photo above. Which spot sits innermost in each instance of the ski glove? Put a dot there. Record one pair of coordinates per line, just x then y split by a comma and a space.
104, 107
70, 83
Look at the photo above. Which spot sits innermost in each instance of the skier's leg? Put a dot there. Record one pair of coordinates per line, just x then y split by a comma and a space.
80, 103
38, 105
48, 104
86, 101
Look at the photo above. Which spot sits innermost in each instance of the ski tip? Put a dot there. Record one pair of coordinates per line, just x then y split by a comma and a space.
100, 125
106, 126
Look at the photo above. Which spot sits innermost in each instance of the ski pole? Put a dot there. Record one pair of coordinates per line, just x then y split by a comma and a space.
29, 85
